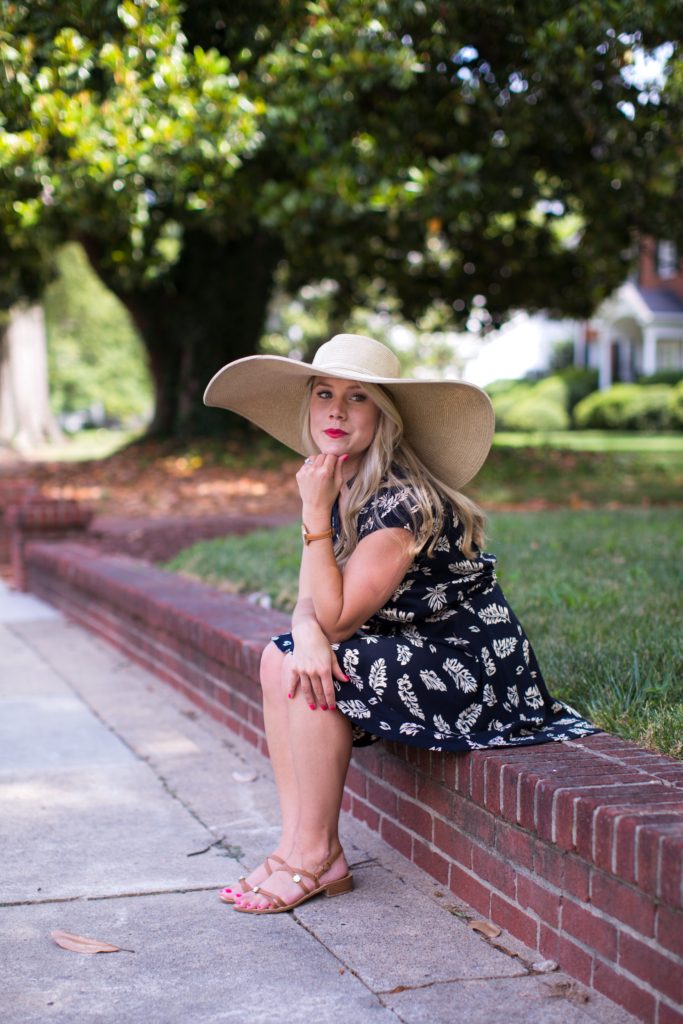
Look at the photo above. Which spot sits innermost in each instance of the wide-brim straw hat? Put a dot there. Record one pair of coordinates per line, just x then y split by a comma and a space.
449, 423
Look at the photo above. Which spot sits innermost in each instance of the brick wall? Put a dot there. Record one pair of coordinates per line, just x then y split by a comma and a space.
574, 848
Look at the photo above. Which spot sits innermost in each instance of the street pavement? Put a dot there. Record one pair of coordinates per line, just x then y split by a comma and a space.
123, 809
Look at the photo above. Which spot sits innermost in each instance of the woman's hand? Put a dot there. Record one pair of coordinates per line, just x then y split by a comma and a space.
312, 668
319, 481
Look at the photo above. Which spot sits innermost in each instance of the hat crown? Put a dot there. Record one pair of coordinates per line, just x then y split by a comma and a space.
357, 356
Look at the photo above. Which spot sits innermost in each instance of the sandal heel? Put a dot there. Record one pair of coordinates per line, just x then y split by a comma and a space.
342, 885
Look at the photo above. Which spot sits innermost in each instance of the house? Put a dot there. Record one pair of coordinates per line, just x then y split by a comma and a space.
638, 330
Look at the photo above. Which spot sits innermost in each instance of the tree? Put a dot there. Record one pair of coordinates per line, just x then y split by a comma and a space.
25, 416
471, 157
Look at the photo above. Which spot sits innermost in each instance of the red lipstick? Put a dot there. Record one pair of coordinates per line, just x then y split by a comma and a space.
332, 432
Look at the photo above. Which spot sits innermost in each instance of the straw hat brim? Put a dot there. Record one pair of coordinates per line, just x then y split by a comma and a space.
449, 423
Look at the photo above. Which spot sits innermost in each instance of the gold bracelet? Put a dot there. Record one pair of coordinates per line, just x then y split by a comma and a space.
308, 537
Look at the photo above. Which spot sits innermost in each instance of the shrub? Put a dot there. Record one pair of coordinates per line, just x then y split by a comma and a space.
553, 389
663, 377
506, 401
537, 412
625, 407
580, 382
676, 406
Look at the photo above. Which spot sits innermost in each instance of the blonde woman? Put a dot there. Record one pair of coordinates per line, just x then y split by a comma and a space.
400, 630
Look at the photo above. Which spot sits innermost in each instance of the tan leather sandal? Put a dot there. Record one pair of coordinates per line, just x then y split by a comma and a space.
228, 895
335, 888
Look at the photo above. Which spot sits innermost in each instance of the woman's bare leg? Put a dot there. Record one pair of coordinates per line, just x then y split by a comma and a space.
275, 713
320, 751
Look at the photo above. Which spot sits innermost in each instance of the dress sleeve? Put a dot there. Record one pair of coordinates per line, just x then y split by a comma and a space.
391, 507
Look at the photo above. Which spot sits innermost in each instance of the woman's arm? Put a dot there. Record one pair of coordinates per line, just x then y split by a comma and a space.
342, 603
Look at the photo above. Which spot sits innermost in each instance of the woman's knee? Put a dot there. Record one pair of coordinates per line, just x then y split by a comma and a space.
271, 669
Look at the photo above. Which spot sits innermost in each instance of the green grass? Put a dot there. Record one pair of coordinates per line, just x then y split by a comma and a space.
598, 592
84, 446
592, 440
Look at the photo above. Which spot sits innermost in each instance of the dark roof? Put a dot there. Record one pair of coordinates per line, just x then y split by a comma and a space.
660, 300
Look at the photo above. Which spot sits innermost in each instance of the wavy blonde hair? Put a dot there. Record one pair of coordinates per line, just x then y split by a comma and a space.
391, 462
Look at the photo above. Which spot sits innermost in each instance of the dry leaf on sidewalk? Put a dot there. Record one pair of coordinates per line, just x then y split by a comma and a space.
491, 931
81, 944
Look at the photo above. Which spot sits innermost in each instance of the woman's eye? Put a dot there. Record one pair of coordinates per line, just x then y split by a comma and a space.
358, 397
323, 394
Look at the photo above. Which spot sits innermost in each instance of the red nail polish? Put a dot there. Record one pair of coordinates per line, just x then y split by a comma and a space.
312, 707
347, 679
289, 695
333, 707
323, 707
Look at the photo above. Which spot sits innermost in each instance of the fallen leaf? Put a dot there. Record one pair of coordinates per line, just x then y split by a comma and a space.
544, 966
399, 988
491, 931
504, 949
244, 776
81, 944
567, 990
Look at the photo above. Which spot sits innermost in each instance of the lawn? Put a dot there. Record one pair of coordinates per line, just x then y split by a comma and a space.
599, 592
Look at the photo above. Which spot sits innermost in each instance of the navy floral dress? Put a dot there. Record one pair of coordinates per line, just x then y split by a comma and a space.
445, 664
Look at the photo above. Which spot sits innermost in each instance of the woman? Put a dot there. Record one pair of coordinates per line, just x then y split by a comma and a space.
400, 629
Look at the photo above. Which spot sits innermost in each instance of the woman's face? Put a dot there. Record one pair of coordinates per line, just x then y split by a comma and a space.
343, 417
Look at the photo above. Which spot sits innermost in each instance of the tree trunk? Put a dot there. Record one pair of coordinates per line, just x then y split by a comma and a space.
208, 311
25, 416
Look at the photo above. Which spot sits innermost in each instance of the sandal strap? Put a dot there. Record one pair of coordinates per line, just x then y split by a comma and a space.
271, 896
314, 876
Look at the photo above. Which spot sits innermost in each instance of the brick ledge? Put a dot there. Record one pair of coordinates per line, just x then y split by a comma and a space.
575, 848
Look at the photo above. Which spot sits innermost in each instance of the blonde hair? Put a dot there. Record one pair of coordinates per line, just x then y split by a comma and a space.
391, 462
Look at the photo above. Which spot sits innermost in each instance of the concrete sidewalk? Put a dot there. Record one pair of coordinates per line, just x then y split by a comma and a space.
113, 792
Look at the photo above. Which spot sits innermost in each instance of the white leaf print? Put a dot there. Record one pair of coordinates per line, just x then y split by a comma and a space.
396, 615
354, 708
468, 717
525, 651
436, 596
489, 696
463, 679
370, 639
405, 692
520, 670
432, 648
513, 695
401, 589
403, 654
350, 660
385, 726
533, 698
442, 544
474, 629
505, 647
496, 725
445, 613
431, 680
489, 664
410, 728
378, 676
442, 726
493, 613
412, 636
457, 641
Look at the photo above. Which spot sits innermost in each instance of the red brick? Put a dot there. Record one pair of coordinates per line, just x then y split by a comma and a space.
356, 781
669, 930
473, 820
622, 902
397, 837
492, 778
416, 818
451, 841
430, 861
462, 778
470, 890
514, 844
549, 864
369, 815
670, 1014
671, 868
435, 796
544, 801
493, 869
382, 798
401, 776
649, 838
621, 990
509, 793
576, 877
574, 960
662, 973
438, 766
542, 899
591, 929
346, 801
514, 920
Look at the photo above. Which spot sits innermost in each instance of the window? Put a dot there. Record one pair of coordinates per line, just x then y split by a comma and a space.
667, 261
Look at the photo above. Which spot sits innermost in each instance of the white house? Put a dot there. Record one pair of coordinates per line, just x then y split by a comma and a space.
639, 329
